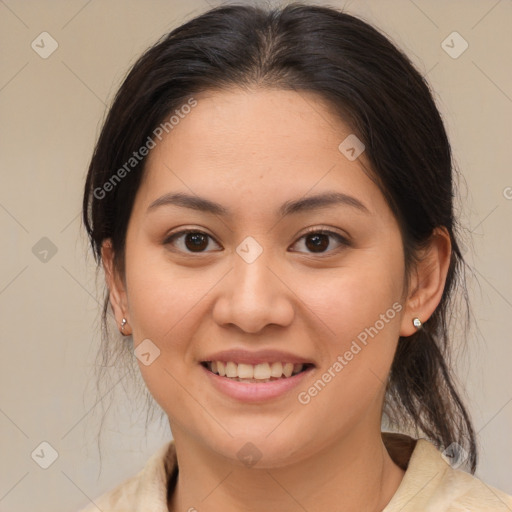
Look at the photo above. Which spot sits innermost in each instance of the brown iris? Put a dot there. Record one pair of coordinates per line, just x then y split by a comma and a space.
319, 241
196, 241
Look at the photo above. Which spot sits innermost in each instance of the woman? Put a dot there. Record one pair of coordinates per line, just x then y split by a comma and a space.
271, 200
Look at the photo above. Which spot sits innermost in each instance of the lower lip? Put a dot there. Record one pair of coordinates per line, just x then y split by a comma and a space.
254, 391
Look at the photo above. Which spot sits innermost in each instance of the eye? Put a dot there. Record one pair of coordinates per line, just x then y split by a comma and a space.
190, 240
318, 241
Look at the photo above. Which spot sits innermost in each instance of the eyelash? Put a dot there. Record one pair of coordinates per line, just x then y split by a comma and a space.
343, 241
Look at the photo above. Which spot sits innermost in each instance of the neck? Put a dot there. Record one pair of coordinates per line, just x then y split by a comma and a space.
352, 475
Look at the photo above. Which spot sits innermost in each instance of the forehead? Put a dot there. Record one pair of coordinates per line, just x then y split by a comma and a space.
257, 123
256, 146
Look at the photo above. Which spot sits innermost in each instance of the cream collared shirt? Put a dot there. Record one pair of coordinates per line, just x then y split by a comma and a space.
430, 484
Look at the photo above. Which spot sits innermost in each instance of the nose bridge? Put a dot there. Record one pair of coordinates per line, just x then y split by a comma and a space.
252, 277
254, 296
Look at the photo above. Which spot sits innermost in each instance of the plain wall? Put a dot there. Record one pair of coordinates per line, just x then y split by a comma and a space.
51, 110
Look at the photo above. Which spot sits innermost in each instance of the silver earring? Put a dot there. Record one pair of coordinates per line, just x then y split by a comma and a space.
123, 323
417, 323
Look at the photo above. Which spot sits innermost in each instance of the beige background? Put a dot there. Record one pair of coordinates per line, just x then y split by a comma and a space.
51, 110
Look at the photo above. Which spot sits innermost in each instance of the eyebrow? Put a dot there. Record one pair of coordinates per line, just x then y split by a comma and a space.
315, 202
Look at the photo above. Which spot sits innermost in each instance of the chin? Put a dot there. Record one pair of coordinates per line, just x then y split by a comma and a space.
260, 447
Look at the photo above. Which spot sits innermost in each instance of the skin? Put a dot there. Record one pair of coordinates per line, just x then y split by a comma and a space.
251, 151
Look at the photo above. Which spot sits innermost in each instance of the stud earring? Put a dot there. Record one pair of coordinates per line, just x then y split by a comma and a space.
123, 323
417, 323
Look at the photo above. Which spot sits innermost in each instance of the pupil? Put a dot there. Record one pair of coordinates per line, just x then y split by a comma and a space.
195, 241
320, 242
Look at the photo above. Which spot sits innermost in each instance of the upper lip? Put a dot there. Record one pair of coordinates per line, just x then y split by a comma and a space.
256, 357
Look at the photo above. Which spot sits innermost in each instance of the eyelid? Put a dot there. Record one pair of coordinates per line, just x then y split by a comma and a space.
326, 231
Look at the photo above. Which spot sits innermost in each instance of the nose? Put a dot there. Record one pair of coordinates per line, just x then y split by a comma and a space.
254, 295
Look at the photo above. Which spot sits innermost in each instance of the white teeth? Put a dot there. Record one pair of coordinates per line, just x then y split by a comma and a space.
288, 369
231, 369
276, 370
246, 371
262, 371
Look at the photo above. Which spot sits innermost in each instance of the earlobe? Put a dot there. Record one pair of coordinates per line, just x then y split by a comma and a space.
117, 293
427, 282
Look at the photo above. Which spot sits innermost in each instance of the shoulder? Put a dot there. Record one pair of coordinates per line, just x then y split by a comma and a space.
148, 488
430, 483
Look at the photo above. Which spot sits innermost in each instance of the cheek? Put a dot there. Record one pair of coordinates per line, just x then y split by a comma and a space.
360, 308
161, 295
164, 304
357, 358
351, 299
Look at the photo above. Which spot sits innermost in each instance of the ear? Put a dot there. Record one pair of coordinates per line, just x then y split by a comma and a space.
427, 281
116, 287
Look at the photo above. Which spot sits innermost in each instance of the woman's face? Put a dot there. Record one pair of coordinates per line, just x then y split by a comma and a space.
257, 284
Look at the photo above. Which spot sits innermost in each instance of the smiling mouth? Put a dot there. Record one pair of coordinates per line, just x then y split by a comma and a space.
255, 373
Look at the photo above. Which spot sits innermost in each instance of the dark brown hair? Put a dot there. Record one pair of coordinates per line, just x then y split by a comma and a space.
374, 88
